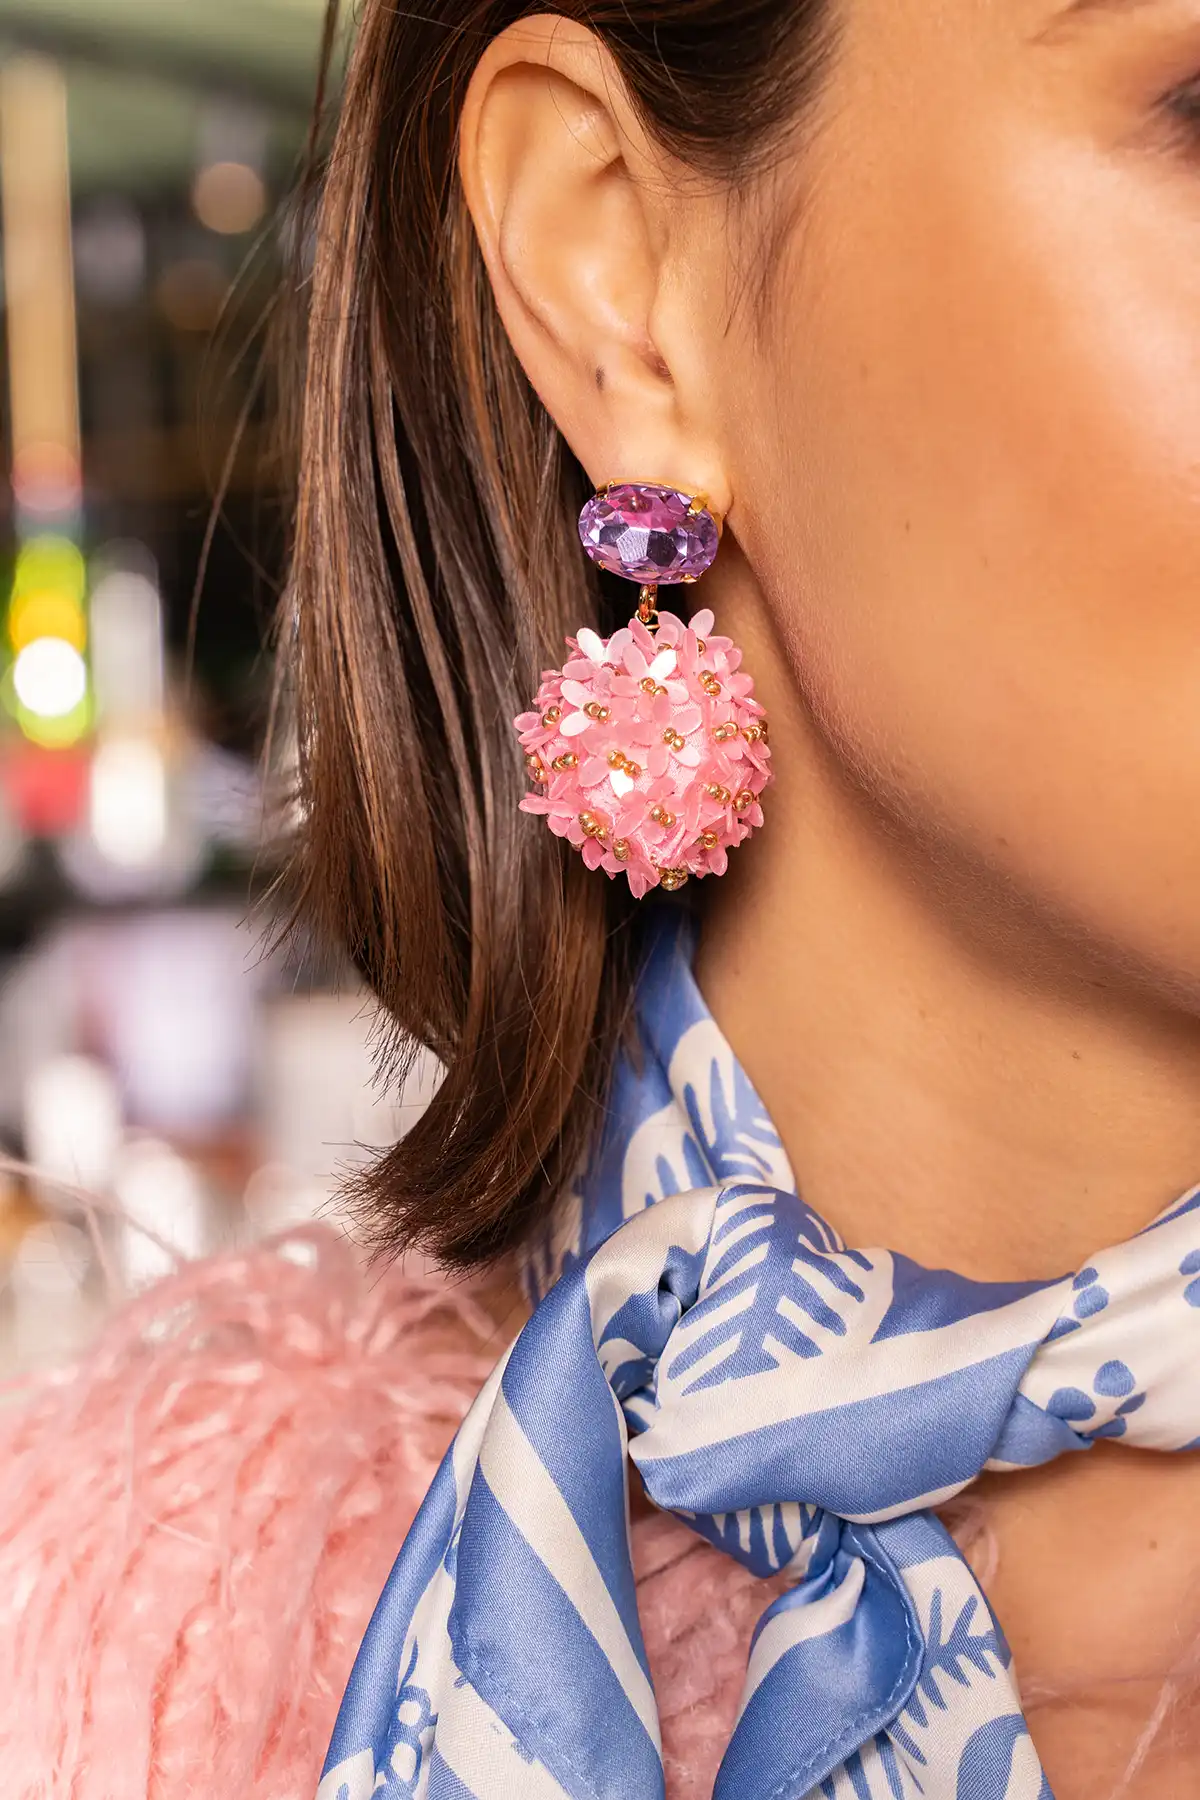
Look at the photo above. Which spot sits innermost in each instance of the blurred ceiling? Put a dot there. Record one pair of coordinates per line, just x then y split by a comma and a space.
144, 76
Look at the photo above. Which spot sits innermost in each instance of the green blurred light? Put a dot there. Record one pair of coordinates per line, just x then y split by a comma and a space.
56, 734
50, 562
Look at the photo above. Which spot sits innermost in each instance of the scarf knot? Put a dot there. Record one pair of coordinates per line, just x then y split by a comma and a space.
803, 1406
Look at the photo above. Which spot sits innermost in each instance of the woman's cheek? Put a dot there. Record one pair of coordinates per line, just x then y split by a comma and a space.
987, 577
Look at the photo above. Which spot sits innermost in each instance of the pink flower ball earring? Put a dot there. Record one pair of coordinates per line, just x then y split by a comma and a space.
647, 750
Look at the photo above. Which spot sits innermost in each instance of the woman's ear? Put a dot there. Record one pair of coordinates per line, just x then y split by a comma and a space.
576, 212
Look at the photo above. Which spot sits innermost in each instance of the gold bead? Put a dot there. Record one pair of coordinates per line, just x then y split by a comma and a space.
744, 798
661, 816
592, 826
755, 734
648, 685
672, 878
617, 759
709, 840
568, 760
710, 684
551, 716
724, 732
720, 794
620, 849
672, 738
594, 710
535, 768
701, 646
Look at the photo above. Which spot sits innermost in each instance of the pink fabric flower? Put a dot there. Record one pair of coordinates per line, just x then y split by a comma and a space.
648, 751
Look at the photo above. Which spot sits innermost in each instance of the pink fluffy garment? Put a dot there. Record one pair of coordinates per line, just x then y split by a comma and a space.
197, 1518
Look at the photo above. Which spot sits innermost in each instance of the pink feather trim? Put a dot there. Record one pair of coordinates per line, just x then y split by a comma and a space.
196, 1520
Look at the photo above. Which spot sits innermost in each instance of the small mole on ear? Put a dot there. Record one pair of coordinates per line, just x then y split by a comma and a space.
599, 380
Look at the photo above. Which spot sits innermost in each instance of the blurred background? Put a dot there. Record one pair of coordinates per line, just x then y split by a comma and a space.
150, 1052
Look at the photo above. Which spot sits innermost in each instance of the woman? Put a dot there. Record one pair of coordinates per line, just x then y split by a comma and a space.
912, 294
909, 296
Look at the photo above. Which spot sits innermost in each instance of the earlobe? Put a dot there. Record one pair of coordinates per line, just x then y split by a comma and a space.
573, 214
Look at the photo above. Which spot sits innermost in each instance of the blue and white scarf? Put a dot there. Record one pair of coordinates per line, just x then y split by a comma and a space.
803, 1406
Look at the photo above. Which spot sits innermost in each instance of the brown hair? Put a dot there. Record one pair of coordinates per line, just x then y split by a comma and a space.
435, 572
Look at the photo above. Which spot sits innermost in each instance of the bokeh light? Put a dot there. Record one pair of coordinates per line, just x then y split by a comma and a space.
190, 294
229, 198
50, 678
128, 802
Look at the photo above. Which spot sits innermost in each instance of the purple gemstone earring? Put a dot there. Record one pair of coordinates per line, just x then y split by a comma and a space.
647, 750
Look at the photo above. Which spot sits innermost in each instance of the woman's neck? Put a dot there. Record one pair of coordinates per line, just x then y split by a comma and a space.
944, 1082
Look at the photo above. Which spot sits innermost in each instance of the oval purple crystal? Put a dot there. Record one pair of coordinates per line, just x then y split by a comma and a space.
646, 533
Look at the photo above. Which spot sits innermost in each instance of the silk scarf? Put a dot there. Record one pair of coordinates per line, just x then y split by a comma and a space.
800, 1404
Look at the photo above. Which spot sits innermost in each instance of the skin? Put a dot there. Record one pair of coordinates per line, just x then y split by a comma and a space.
941, 367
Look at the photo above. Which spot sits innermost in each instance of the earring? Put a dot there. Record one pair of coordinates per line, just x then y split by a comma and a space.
647, 750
